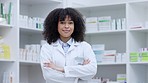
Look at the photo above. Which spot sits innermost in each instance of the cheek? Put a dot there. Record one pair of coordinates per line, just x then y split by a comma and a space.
59, 28
72, 28
60, 31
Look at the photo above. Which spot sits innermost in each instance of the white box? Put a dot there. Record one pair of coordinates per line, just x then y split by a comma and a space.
99, 51
118, 57
123, 23
113, 24
109, 56
118, 21
104, 23
124, 57
91, 24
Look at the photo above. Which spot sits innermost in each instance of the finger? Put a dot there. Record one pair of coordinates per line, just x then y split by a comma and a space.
88, 61
46, 64
84, 63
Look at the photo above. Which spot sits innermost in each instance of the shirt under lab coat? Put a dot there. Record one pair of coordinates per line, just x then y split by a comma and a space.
71, 61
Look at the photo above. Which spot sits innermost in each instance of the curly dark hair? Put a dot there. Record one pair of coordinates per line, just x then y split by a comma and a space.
51, 33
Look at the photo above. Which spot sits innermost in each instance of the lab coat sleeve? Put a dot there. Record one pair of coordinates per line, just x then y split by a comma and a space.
49, 74
84, 72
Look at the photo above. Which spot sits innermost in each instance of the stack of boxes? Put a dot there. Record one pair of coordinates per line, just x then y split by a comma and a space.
91, 24
141, 56
31, 22
134, 57
99, 51
30, 53
108, 56
104, 23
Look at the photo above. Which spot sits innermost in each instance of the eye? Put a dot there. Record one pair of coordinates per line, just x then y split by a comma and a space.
62, 22
71, 22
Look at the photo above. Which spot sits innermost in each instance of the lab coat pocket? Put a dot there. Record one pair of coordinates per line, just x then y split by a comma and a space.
79, 60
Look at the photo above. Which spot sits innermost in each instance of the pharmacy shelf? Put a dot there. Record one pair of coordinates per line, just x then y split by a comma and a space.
26, 30
107, 32
5, 26
139, 30
6, 60
112, 63
137, 38
139, 63
23, 62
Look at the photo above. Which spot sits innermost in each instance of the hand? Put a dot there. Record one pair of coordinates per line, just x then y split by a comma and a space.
86, 61
50, 64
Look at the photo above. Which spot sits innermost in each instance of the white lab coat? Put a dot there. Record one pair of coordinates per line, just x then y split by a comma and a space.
70, 61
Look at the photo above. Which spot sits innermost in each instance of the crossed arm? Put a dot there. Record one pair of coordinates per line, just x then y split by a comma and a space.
51, 65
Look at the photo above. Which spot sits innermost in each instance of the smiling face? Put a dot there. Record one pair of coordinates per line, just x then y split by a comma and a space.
65, 29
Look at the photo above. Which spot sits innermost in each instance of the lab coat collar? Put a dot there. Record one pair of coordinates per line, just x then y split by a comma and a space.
70, 41
58, 46
57, 43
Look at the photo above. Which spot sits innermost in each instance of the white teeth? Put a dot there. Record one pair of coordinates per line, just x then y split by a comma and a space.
66, 31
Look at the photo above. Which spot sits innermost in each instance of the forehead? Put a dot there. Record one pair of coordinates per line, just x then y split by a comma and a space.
68, 18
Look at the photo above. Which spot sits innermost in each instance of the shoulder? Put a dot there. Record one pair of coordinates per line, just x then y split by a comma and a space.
46, 46
85, 44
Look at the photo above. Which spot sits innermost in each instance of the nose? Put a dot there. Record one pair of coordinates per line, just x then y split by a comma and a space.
66, 25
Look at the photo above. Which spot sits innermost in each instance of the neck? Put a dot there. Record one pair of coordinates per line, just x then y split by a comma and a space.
65, 39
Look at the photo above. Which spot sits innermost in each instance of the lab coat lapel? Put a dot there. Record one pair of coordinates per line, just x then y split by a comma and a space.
72, 47
58, 47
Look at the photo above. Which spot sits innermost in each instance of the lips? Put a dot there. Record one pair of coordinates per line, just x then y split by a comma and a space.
66, 31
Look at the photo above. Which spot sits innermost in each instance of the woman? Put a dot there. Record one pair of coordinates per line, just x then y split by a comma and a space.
66, 57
